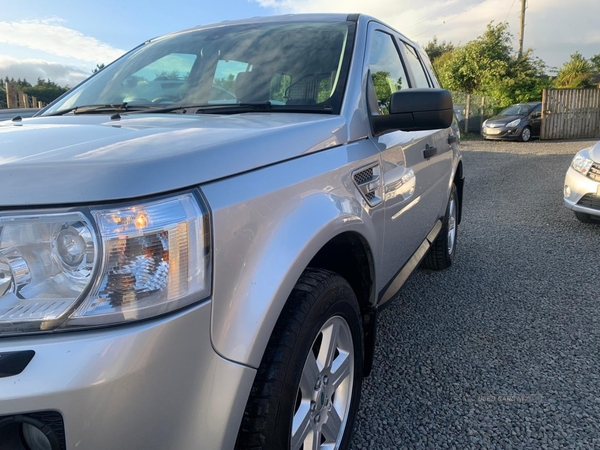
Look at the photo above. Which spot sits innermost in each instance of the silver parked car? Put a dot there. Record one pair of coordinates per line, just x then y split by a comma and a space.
183, 269
582, 185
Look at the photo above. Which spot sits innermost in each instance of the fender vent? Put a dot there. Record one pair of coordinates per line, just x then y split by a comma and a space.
363, 176
368, 182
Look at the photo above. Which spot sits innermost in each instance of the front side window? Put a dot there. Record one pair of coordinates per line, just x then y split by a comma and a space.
387, 72
284, 64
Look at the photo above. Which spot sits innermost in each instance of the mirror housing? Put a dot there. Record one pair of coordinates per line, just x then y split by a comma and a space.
416, 110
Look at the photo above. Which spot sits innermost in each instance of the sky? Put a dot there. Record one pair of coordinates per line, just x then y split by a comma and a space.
63, 40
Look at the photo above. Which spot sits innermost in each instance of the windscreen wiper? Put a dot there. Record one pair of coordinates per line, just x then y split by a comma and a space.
237, 108
92, 109
200, 109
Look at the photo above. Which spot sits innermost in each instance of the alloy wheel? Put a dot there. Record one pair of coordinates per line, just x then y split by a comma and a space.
325, 391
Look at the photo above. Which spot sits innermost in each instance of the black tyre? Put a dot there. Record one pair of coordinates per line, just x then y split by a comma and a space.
525, 134
586, 218
307, 388
441, 253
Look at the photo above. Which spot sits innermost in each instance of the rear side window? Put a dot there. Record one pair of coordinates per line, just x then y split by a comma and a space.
416, 67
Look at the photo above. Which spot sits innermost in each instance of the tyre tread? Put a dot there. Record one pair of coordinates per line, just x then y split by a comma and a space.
437, 257
268, 382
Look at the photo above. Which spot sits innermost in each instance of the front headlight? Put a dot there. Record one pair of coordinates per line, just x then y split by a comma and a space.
581, 162
102, 266
514, 123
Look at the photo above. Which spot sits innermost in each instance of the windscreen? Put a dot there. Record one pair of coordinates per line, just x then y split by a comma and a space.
294, 63
516, 110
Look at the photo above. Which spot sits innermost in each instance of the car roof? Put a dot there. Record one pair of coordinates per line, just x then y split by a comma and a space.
291, 18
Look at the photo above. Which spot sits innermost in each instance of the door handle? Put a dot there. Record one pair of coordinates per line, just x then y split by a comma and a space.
429, 152
452, 139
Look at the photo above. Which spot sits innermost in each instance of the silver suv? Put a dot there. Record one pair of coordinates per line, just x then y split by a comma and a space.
196, 241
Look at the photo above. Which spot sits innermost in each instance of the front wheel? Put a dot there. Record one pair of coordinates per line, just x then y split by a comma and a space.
586, 218
441, 253
307, 389
525, 134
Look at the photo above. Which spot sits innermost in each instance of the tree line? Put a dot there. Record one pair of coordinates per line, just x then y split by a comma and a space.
489, 66
44, 90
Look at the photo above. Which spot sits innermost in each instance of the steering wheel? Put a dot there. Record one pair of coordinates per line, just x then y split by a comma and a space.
164, 98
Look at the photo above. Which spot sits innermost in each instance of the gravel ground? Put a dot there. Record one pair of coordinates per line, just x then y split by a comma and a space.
501, 350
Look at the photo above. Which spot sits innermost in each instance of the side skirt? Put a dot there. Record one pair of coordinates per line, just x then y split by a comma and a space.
394, 286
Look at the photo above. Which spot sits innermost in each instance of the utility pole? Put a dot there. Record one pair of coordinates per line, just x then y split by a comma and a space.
522, 29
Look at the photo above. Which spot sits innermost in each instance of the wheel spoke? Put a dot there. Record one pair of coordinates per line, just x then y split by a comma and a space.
331, 429
328, 346
302, 426
310, 373
341, 368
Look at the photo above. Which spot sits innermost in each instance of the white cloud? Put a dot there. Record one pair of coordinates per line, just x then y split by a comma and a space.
50, 37
32, 69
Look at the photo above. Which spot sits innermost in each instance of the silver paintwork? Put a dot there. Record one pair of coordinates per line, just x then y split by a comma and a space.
581, 185
77, 159
133, 387
268, 224
279, 187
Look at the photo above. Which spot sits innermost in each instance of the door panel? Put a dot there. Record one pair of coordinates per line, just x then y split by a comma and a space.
415, 165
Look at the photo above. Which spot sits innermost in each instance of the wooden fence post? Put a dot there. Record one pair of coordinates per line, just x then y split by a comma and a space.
12, 100
467, 113
24, 100
543, 131
482, 112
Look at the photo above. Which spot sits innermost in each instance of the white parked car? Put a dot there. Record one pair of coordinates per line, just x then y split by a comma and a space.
582, 185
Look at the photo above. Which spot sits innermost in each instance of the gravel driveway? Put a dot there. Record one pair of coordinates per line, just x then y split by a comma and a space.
503, 349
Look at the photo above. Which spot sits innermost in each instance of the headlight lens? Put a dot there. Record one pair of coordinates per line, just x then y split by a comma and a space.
46, 263
581, 163
58, 270
514, 123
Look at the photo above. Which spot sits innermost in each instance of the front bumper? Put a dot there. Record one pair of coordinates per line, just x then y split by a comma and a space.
581, 193
506, 134
152, 385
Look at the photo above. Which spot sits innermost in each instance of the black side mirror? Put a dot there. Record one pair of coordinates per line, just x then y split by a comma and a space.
416, 110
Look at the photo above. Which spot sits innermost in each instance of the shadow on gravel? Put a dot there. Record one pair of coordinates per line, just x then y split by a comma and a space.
503, 349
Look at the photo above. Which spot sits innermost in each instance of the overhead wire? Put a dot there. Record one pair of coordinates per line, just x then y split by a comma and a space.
452, 18
437, 13
509, 10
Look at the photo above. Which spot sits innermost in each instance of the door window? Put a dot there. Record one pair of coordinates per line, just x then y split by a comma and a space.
387, 72
419, 76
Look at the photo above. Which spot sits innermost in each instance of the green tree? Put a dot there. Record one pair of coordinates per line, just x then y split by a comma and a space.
98, 68
227, 82
435, 49
595, 61
575, 73
489, 66
45, 90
